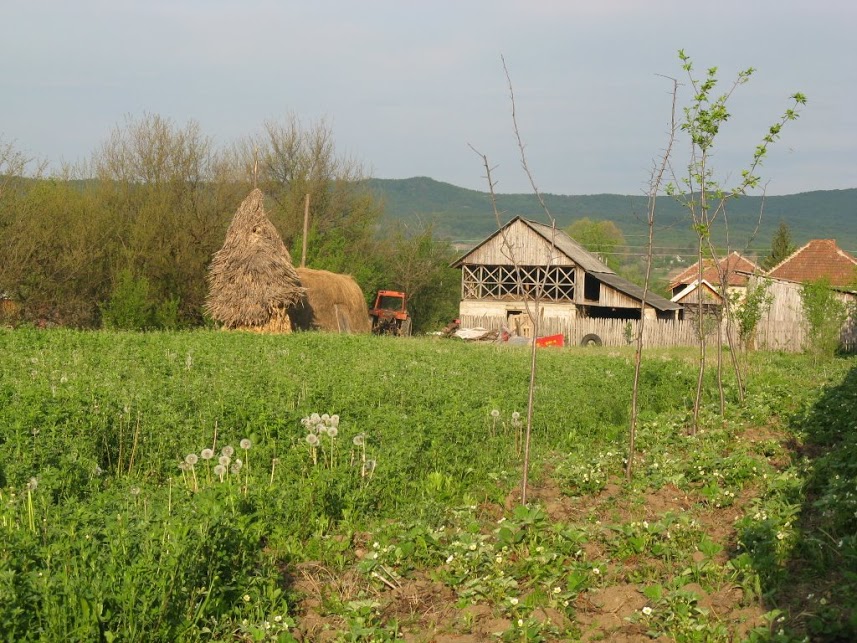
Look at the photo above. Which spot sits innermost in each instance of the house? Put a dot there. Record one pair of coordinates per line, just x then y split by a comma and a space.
734, 266
689, 297
818, 259
503, 272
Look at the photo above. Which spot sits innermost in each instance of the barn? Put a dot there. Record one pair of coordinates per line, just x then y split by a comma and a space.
504, 272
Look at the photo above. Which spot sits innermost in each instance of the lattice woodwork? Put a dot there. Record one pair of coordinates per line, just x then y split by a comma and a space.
553, 283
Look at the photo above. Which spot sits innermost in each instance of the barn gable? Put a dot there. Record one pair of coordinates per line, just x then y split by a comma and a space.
524, 257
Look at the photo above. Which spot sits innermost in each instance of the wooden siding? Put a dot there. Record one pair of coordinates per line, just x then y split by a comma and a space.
529, 249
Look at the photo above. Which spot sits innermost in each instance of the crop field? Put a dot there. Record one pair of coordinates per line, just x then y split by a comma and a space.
212, 486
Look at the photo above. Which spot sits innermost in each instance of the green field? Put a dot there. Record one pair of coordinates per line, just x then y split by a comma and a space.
402, 523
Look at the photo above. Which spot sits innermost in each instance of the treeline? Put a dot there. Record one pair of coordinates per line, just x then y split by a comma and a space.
125, 237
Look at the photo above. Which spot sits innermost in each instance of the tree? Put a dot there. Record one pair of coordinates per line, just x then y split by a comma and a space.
289, 160
825, 314
602, 238
419, 264
705, 198
781, 246
167, 196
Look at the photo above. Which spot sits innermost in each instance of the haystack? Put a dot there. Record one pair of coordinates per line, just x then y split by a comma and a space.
252, 283
332, 302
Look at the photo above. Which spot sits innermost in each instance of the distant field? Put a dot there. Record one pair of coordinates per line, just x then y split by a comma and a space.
403, 520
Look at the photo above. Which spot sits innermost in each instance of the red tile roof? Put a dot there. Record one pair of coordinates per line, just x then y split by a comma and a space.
731, 264
818, 259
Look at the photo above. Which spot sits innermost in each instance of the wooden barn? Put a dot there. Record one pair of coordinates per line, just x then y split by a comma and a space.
502, 272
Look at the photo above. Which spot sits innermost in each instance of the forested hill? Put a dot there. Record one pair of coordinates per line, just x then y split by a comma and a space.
466, 215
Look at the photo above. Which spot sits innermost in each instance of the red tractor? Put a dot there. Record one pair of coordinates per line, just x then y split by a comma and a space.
389, 315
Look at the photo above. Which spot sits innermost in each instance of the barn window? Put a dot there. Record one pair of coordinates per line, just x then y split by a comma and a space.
591, 288
555, 283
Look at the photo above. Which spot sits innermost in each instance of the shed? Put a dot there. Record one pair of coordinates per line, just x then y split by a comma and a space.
734, 266
503, 272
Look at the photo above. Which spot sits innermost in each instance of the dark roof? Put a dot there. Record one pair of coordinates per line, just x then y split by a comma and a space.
633, 290
818, 259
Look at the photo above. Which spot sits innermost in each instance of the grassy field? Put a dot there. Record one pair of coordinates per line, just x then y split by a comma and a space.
178, 486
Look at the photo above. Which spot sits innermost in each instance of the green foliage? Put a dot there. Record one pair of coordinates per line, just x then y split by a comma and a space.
749, 311
781, 246
825, 314
129, 306
103, 535
603, 238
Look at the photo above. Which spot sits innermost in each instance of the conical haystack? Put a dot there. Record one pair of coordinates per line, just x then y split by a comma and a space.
333, 302
252, 282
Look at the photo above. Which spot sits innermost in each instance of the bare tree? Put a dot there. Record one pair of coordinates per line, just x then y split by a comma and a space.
532, 302
655, 184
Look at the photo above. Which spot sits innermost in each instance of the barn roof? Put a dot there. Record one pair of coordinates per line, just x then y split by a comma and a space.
581, 257
734, 264
818, 259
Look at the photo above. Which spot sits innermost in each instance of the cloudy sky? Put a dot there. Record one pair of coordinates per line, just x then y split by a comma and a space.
406, 86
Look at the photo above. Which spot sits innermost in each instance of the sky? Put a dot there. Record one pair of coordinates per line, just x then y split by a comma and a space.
408, 87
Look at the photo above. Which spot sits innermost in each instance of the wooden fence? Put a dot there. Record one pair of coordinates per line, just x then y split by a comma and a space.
611, 332
774, 332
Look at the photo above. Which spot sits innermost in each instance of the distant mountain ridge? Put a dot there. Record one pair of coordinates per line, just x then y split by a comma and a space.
466, 215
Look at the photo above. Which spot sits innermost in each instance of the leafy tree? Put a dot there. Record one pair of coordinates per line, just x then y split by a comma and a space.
825, 314
603, 238
781, 246
168, 197
706, 198
749, 312
418, 264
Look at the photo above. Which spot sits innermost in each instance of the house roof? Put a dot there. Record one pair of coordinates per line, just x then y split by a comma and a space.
583, 258
734, 264
692, 287
818, 259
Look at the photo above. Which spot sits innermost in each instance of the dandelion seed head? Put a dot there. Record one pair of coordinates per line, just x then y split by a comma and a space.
206, 454
235, 469
334, 420
183, 465
359, 440
228, 451
224, 460
325, 417
312, 439
315, 418
245, 444
134, 491
32, 484
191, 459
370, 465
332, 431
516, 416
219, 470
495, 413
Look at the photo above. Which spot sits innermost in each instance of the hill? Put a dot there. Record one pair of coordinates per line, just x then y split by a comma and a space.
466, 216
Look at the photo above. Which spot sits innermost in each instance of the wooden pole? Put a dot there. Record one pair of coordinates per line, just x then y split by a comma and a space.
306, 230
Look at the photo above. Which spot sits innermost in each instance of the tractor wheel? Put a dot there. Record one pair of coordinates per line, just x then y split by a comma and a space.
591, 340
405, 328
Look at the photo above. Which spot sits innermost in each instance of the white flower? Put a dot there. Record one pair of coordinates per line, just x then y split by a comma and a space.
246, 598
647, 610
513, 601
596, 571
